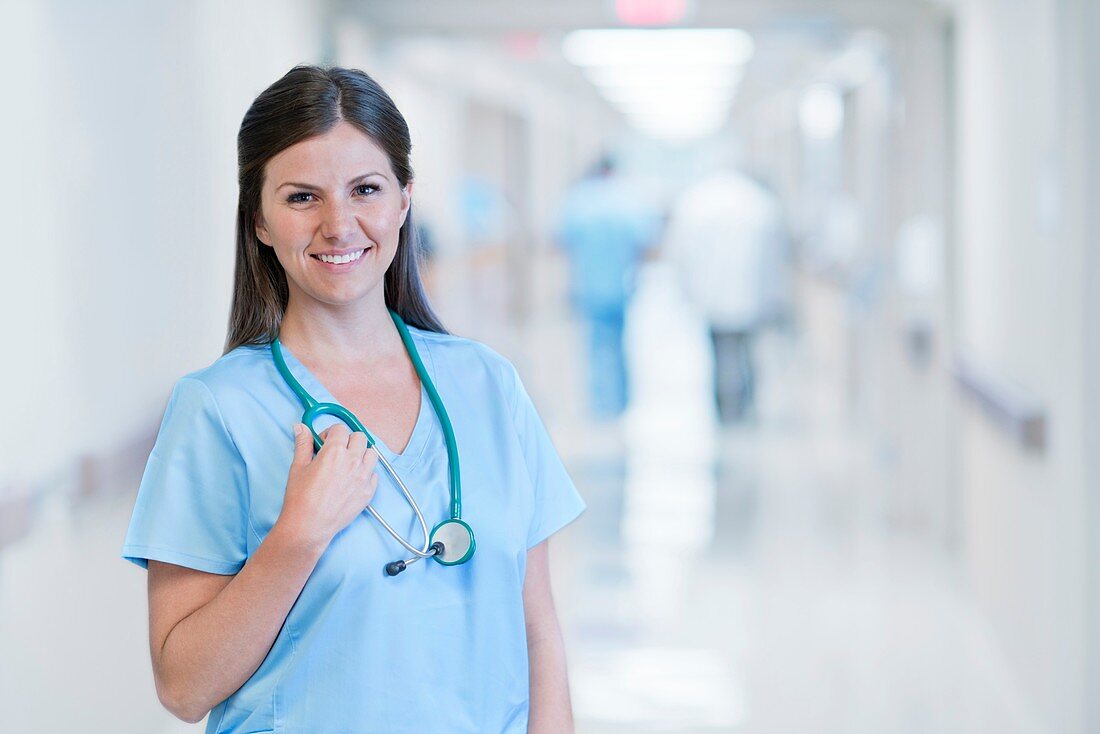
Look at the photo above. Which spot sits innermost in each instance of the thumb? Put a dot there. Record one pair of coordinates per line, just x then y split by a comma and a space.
303, 444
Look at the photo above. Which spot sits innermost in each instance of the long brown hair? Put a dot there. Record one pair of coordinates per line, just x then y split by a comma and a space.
309, 101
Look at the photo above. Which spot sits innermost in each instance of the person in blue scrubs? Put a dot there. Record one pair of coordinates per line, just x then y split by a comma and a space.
269, 606
606, 228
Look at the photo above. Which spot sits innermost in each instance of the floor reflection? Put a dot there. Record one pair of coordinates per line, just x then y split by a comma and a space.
748, 582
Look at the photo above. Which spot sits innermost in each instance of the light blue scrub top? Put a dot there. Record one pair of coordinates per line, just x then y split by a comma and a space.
435, 649
606, 227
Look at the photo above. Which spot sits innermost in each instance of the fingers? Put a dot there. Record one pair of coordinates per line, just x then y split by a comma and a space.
335, 435
357, 443
303, 444
357, 447
339, 435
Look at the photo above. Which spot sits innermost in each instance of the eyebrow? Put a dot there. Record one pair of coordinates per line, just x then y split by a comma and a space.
312, 187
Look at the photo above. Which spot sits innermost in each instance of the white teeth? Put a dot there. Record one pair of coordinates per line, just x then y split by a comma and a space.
340, 259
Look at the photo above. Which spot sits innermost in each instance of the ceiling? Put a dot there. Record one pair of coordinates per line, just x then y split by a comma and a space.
481, 17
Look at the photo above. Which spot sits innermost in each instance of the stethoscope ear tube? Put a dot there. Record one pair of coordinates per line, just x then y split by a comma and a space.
440, 411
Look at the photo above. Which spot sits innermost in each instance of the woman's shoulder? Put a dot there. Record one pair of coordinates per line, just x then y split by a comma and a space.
234, 372
462, 354
462, 348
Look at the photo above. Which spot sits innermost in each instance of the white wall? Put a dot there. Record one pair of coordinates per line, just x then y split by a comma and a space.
1084, 173
1021, 312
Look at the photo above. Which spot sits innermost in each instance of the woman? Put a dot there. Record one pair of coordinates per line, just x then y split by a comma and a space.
270, 595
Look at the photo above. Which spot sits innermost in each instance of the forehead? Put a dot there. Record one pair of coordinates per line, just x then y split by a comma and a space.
336, 156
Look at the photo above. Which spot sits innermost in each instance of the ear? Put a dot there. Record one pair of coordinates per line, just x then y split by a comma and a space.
406, 201
261, 230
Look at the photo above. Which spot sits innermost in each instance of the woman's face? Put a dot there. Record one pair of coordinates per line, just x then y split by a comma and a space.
334, 196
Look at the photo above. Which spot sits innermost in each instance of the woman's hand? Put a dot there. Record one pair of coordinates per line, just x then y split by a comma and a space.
324, 493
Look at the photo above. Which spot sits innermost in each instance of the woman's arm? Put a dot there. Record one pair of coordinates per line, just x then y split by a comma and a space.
551, 711
209, 633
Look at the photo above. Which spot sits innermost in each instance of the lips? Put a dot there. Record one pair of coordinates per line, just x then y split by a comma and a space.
338, 256
341, 267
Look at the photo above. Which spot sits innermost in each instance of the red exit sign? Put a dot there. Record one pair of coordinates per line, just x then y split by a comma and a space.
651, 12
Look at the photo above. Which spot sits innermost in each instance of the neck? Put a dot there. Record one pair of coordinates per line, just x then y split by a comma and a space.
340, 336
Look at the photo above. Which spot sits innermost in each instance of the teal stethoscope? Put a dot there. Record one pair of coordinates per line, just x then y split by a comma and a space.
451, 542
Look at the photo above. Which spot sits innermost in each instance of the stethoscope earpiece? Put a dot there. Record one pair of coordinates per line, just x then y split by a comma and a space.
396, 567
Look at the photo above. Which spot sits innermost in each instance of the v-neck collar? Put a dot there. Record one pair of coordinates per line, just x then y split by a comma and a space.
425, 419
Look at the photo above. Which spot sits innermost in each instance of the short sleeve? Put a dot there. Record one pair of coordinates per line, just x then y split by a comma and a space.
192, 505
556, 500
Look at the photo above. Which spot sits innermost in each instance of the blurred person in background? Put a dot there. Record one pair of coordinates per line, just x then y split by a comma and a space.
727, 237
271, 602
605, 227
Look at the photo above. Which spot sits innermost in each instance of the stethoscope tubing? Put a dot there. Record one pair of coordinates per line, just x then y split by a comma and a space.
440, 411
315, 408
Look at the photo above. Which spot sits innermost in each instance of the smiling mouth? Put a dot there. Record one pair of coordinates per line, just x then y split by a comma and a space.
341, 259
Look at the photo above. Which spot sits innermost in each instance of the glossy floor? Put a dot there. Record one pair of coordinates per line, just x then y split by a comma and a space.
744, 580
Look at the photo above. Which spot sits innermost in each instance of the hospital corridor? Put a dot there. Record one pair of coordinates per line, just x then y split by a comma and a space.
803, 294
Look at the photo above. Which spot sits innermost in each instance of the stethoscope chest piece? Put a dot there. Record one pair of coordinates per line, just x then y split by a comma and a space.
458, 542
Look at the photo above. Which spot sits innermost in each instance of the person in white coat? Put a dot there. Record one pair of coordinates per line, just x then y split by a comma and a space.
727, 237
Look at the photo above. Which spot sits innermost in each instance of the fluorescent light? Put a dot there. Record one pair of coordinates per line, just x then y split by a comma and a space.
668, 83
668, 96
656, 73
637, 77
652, 111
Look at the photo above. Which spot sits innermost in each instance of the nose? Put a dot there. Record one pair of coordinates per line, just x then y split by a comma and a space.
337, 221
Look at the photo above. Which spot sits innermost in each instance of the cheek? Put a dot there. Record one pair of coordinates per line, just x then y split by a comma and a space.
395, 228
386, 226
289, 229
395, 216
